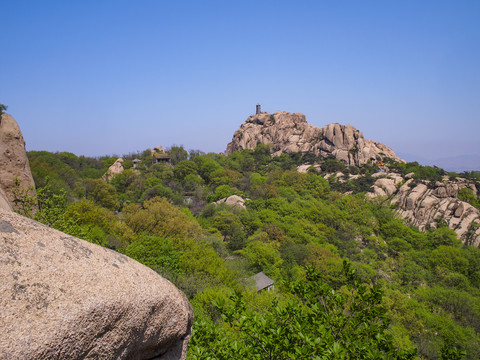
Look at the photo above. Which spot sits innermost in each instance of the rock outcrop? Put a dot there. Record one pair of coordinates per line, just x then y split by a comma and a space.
232, 200
13, 162
115, 169
65, 298
423, 205
290, 132
304, 168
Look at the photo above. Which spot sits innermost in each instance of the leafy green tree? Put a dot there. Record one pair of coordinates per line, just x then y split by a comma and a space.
52, 206
202, 268
331, 165
450, 258
263, 256
451, 352
159, 217
24, 200
231, 228
101, 193
89, 221
155, 252
177, 154
208, 168
444, 236
467, 195
185, 168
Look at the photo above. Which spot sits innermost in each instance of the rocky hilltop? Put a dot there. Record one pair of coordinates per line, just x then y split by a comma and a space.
421, 203
13, 162
290, 132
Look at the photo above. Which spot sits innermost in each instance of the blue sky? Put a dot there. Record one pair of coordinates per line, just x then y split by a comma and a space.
113, 77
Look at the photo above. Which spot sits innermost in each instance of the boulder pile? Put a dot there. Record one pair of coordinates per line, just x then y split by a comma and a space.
290, 132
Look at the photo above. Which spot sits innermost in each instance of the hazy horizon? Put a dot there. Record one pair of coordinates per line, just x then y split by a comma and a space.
118, 76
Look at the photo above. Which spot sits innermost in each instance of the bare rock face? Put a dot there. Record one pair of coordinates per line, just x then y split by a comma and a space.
13, 162
290, 132
422, 205
115, 169
4, 203
232, 200
65, 298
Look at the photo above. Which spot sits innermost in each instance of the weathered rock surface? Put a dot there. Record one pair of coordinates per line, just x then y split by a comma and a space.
13, 162
422, 205
290, 132
4, 203
115, 169
65, 298
232, 200
305, 167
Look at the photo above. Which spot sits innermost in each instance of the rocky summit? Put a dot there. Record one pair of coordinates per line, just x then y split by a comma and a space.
290, 132
65, 298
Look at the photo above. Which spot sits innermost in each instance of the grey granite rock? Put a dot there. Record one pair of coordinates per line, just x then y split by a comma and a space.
65, 298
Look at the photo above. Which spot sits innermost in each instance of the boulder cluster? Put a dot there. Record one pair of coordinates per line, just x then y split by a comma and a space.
290, 132
422, 205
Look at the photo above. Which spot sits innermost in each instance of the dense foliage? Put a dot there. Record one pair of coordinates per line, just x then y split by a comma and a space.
318, 323
402, 291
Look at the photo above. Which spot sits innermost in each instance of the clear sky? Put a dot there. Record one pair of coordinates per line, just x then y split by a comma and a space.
112, 77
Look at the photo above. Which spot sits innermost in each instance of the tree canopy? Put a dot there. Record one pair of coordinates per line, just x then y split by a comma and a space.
352, 280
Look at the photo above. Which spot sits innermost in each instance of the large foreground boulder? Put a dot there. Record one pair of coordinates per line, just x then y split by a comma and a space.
65, 298
13, 162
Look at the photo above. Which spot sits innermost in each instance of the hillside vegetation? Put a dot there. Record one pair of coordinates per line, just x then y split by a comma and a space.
351, 279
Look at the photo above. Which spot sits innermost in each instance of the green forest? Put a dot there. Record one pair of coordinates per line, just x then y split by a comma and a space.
351, 279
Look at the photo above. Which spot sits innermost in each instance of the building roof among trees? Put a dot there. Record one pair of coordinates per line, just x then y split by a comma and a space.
262, 281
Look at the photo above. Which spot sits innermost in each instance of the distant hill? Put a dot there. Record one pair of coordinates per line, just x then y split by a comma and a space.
458, 163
